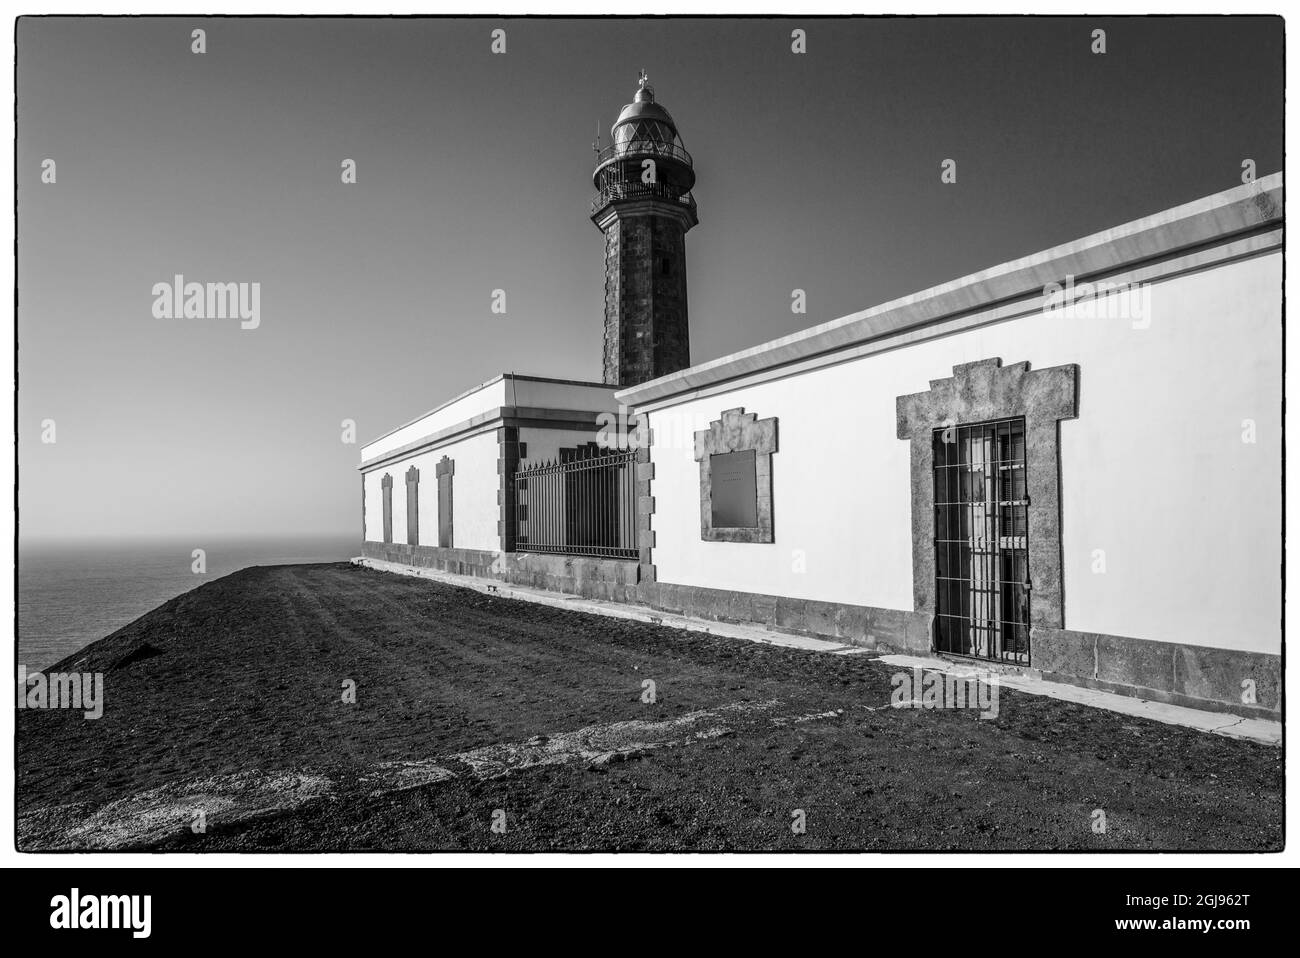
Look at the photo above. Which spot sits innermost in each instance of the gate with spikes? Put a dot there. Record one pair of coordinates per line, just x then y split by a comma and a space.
584, 503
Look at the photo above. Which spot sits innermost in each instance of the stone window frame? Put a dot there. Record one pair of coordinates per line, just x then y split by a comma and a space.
986, 391
386, 489
738, 431
446, 469
413, 506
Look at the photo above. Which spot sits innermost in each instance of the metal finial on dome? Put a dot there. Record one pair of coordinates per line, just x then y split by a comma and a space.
645, 92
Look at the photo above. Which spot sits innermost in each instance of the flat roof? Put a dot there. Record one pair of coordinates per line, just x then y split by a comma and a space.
1201, 222
483, 385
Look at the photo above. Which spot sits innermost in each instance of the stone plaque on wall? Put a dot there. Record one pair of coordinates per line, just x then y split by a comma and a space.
735, 457
735, 490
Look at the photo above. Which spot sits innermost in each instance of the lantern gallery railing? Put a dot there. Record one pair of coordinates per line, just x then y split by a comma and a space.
634, 190
642, 147
581, 506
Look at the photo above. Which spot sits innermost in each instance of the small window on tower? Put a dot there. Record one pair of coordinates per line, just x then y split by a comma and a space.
666, 266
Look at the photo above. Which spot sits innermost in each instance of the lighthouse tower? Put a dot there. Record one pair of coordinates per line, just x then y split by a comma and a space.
644, 207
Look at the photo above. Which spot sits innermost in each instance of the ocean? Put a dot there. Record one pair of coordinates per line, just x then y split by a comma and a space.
72, 593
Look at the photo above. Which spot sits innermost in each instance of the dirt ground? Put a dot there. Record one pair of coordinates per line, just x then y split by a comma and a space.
226, 728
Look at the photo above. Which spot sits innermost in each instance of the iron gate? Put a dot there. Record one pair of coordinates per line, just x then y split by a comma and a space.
584, 504
981, 541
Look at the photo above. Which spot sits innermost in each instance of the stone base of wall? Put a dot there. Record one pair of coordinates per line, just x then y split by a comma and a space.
887, 630
616, 580
1188, 675
611, 579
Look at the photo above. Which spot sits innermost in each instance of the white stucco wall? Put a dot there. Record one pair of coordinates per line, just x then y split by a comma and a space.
1154, 470
491, 395
561, 395
544, 445
509, 390
475, 483
474, 495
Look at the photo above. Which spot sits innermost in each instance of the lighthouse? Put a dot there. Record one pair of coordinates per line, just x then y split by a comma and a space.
644, 207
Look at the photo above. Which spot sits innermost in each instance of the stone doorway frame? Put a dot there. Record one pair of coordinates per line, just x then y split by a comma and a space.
986, 391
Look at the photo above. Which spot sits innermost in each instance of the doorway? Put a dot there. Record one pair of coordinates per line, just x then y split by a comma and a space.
981, 541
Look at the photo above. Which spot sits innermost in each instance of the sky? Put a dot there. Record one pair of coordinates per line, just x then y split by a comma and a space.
817, 171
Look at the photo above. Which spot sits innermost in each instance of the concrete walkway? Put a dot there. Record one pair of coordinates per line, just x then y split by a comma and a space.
1219, 723
1216, 723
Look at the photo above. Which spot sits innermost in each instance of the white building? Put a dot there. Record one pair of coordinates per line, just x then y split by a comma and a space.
1070, 462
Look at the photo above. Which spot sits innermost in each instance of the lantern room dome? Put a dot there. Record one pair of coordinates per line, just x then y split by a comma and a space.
644, 131
643, 109
643, 123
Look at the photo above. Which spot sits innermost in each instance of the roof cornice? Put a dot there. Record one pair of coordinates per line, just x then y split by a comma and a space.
1206, 221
